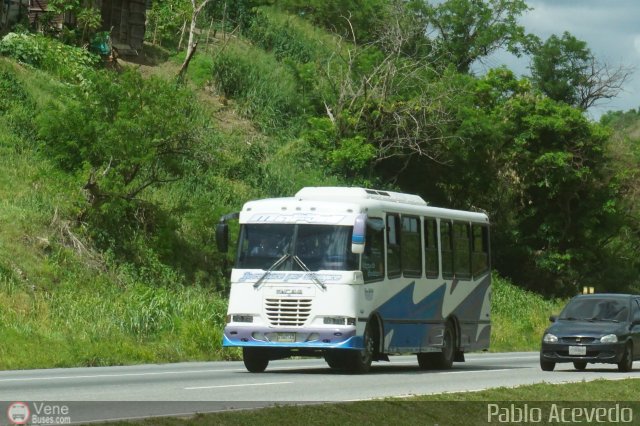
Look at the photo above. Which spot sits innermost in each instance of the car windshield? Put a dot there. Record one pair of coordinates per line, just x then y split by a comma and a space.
316, 247
594, 309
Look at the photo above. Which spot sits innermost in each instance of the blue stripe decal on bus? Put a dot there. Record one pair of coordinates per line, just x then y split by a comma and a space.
401, 306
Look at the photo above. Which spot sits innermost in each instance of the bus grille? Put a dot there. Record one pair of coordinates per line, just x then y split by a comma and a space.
288, 312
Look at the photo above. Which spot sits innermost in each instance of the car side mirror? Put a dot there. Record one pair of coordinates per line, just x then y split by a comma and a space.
553, 318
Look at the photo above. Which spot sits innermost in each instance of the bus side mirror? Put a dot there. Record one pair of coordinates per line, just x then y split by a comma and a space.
359, 232
222, 237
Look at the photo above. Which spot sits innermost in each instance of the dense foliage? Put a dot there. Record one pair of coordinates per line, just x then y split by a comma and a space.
380, 95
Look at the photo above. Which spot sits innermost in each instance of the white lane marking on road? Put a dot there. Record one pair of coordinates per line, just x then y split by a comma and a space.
507, 358
96, 376
238, 386
472, 360
472, 371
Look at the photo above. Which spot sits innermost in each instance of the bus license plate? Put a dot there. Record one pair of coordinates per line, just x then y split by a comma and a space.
286, 337
578, 350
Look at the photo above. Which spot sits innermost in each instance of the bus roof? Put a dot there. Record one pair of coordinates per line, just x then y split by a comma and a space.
320, 204
334, 193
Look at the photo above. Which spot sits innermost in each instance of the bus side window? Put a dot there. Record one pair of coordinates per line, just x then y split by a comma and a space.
446, 242
462, 250
373, 256
480, 253
411, 247
431, 248
393, 246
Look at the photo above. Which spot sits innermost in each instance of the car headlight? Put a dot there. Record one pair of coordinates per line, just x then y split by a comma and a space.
609, 338
550, 338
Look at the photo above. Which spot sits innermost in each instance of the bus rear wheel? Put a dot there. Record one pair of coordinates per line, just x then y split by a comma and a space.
444, 360
255, 359
426, 360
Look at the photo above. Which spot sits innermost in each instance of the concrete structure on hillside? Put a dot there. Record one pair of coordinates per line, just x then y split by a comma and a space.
123, 19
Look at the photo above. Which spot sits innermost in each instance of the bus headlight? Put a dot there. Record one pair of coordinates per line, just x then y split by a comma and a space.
340, 320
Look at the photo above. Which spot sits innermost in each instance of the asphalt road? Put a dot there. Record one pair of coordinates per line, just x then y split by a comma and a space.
146, 390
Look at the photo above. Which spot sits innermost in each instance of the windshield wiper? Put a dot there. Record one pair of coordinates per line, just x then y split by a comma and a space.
313, 274
271, 268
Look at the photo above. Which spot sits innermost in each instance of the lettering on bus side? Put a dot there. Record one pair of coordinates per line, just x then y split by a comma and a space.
297, 218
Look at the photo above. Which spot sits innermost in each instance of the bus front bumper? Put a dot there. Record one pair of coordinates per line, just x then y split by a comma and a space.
320, 338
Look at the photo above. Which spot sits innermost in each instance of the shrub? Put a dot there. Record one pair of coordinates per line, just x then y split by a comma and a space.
266, 89
67, 62
283, 37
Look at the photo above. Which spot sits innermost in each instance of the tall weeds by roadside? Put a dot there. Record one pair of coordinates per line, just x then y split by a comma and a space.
519, 317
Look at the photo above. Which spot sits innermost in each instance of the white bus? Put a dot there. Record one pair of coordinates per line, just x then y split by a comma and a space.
353, 275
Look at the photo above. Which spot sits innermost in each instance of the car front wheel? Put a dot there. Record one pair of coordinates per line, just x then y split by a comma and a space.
626, 363
547, 365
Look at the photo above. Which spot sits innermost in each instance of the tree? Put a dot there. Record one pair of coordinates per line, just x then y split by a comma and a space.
88, 19
467, 30
537, 167
386, 104
192, 44
122, 134
165, 18
566, 70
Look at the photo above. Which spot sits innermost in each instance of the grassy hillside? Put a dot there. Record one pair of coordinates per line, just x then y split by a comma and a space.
118, 282
65, 302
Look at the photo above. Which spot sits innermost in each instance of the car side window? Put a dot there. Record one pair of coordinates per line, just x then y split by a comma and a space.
636, 310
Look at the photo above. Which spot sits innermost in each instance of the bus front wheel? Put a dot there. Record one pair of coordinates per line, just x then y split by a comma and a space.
255, 359
336, 359
360, 361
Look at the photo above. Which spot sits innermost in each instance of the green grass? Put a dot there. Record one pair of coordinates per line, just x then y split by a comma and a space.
62, 302
465, 408
519, 317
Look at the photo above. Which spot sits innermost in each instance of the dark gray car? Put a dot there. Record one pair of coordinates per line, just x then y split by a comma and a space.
594, 328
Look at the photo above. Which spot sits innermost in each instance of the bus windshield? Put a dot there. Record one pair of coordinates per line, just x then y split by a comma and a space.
316, 247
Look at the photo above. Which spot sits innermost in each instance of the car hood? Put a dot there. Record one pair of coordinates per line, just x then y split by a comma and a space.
584, 328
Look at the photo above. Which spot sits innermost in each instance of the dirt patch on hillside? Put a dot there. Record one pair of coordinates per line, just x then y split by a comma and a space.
155, 61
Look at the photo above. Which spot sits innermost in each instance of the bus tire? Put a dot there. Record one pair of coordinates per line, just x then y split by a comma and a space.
255, 359
426, 360
359, 361
336, 360
444, 360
